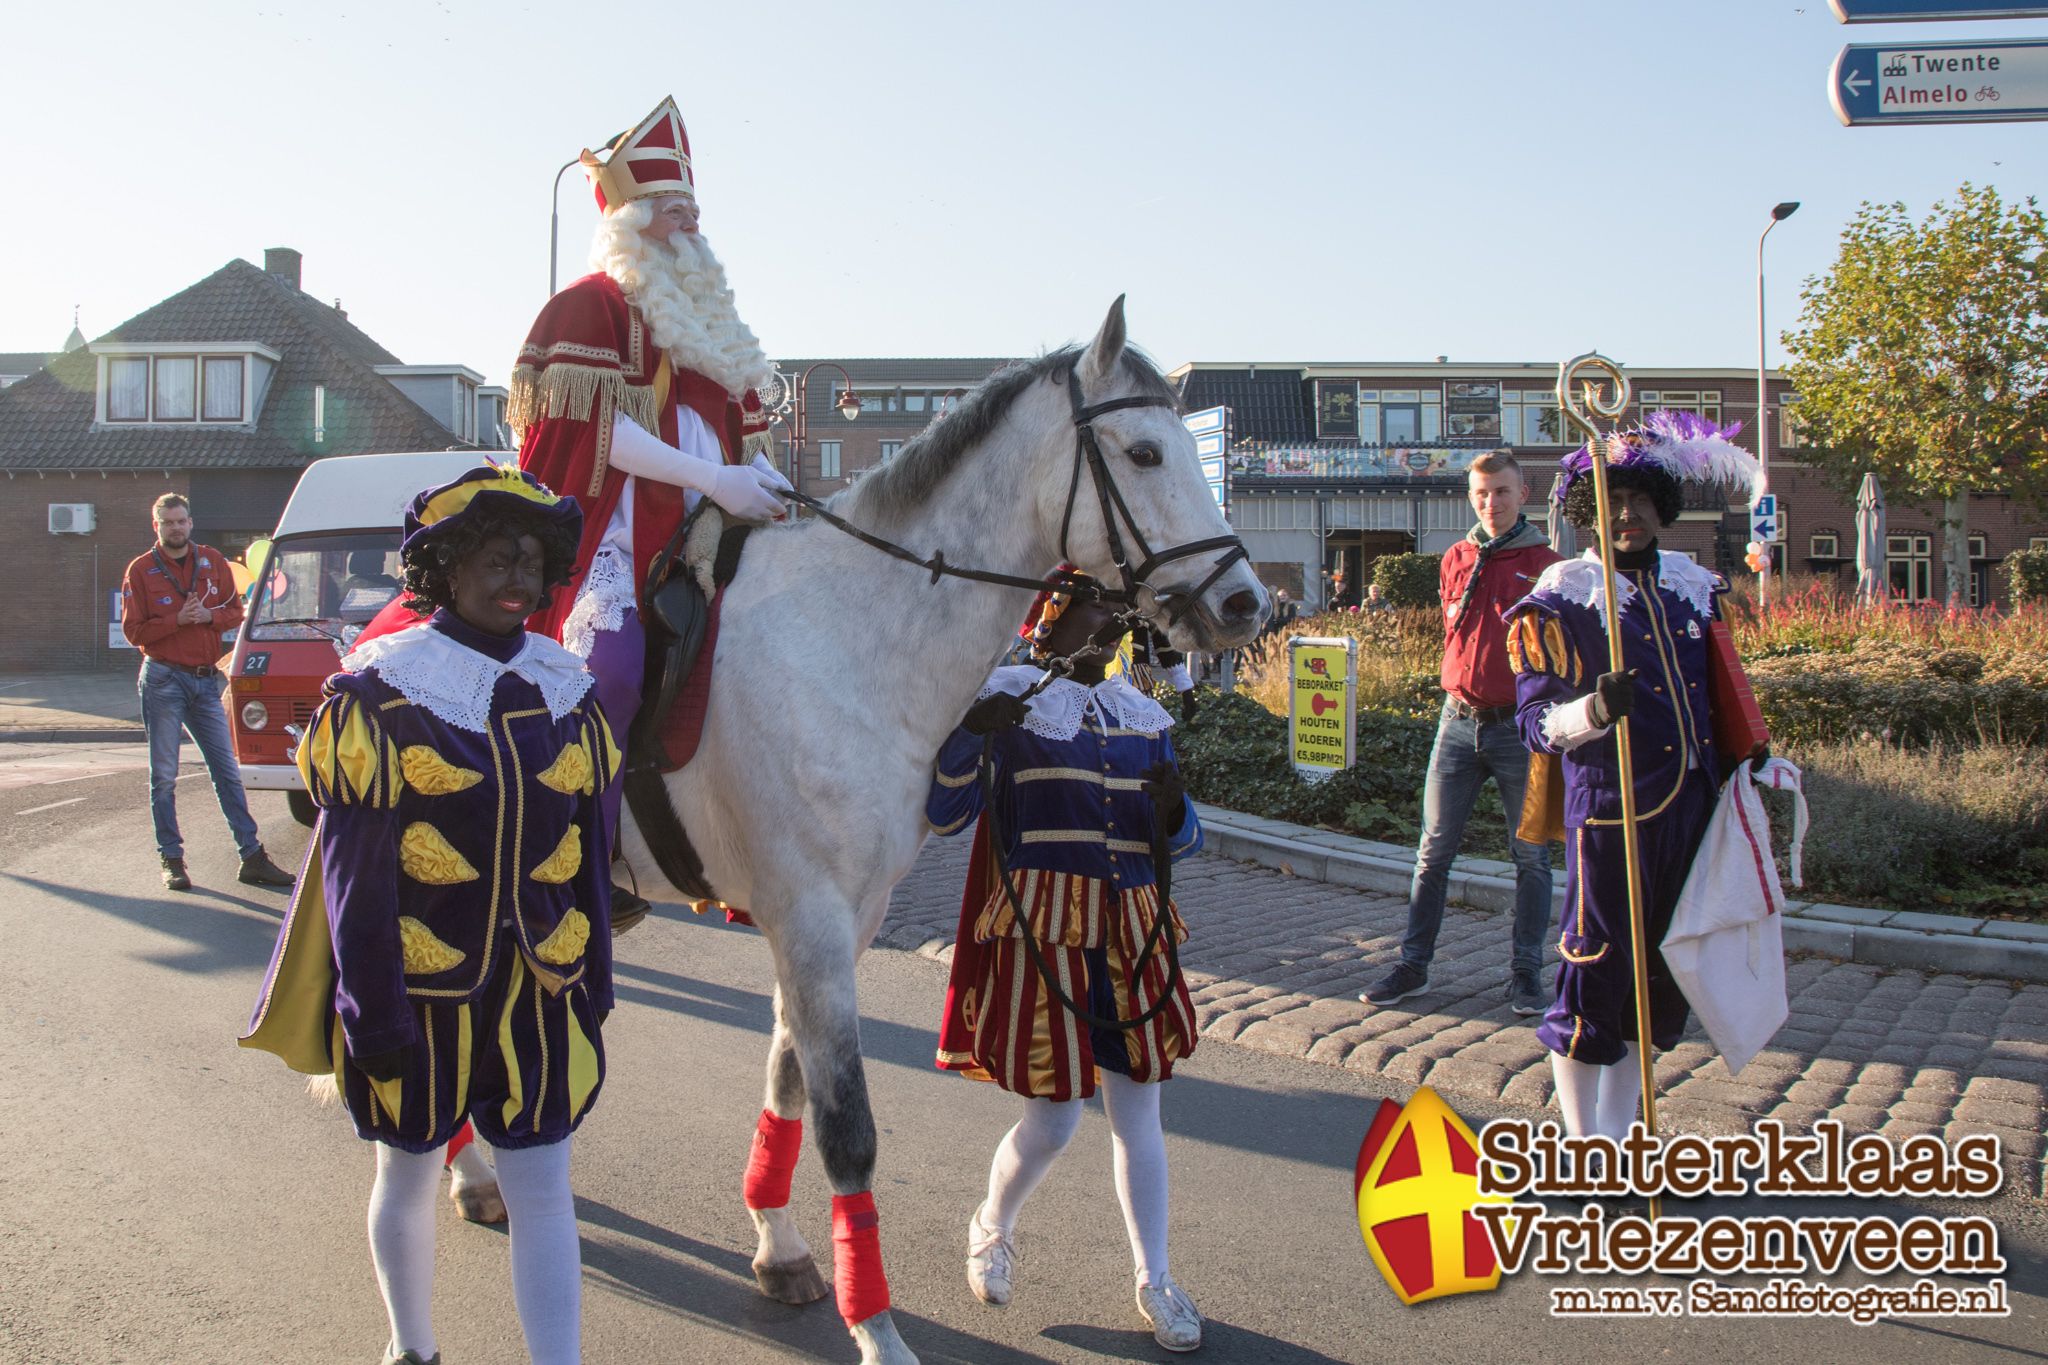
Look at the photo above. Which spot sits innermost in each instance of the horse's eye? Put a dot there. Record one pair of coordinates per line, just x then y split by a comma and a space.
1144, 454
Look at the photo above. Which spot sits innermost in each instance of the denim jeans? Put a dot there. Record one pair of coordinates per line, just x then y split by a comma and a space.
174, 701
1465, 755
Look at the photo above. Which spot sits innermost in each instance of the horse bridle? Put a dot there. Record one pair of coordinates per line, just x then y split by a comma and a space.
1087, 451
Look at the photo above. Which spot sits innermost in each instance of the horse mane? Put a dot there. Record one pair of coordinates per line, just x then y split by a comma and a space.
908, 481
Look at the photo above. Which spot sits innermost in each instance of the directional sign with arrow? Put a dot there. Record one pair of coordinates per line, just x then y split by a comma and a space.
1897, 11
2002, 81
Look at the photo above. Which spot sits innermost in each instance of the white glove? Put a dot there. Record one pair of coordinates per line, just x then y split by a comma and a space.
762, 463
745, 492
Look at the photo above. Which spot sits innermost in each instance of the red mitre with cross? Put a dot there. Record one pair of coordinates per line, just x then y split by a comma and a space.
652, 159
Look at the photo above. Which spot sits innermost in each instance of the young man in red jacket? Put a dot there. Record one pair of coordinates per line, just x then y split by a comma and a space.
1476, 737
175, 603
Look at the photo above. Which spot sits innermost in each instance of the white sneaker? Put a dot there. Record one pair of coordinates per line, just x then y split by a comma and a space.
1176, 1324
991, 1258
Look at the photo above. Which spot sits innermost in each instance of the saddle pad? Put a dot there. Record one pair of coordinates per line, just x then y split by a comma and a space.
683, 728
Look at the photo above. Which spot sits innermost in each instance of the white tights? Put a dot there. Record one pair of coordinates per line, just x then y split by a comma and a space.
1138, 1143
1598, 1099
547, 1259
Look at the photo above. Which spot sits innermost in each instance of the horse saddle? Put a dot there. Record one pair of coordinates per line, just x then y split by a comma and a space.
684, 590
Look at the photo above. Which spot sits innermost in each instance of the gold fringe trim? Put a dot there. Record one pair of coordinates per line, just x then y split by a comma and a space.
759, 443
565, 390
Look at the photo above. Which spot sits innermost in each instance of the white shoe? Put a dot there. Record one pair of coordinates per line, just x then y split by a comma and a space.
1176, 1324
991, 1258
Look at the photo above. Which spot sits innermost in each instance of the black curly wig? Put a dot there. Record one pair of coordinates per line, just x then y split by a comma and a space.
1579, 507
424, 568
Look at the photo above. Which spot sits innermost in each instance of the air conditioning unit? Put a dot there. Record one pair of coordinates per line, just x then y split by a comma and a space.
71, 518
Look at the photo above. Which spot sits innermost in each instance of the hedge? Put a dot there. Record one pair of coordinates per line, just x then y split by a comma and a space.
1407, 580
2027, 572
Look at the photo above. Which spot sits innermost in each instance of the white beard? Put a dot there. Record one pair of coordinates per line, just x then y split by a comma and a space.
680, 289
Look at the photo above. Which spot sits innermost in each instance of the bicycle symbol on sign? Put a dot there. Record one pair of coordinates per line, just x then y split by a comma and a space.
1989, 94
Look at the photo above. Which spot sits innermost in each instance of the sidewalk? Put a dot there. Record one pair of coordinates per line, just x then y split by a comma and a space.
47, 708
1276, 958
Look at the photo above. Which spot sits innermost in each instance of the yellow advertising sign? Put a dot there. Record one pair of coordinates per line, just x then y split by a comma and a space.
1321, 729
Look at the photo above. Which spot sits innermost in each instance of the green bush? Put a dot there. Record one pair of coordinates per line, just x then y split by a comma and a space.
2027, 573
1906, 693
1407, 580
1934, 827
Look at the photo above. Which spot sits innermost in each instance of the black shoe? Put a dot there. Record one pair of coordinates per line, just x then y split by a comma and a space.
258, 870
628, 909
1397, 985
1526, 994
174, 875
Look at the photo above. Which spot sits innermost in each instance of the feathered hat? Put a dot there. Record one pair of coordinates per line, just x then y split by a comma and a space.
490, 487
1669, 448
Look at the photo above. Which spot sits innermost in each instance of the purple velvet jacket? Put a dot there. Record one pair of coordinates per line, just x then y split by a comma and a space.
445, 848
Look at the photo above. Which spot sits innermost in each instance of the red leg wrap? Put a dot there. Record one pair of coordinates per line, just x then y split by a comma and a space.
776, 1144
857, 1279
463, 1137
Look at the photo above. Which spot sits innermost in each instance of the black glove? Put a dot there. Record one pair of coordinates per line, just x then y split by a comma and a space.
996, 711
1760, 757
1169, 796
1613, 696
383, 1066
1189, 704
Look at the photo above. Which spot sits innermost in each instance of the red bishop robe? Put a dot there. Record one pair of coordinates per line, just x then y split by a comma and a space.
589, 357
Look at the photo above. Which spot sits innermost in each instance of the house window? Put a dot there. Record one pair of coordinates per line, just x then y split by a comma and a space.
1909, 563
1979, 546
1705, 402
943, 403
2037, 542
913, 402
828, 459
128, 389
177, 389
1400, 417
1790, 436
890, 450
1530, 418
222, 389
1824, 545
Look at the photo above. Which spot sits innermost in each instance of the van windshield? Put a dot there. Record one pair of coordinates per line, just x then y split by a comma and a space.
325, 587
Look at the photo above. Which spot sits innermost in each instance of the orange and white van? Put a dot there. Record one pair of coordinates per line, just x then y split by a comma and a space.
331, 566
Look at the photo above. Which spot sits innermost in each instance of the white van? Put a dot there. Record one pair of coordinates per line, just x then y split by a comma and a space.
332, 565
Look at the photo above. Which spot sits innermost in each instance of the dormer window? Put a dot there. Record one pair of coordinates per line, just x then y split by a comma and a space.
171, 385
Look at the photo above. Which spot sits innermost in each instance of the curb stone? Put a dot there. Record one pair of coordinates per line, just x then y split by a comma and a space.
1853, 933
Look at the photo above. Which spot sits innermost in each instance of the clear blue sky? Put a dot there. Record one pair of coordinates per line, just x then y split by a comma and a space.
1499, 180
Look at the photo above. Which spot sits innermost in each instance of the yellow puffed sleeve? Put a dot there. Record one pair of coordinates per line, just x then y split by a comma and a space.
346, 759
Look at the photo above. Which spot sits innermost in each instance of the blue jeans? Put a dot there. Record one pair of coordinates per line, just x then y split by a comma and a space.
174, 701
1465, 755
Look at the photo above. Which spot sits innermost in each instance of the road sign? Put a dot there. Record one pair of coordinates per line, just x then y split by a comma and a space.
1211, 428
1208, 419
1766, 523
1989, 82
1900, 11
1322, 711
1212, 443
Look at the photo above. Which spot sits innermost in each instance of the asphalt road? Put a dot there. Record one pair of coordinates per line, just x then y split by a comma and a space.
170, 1198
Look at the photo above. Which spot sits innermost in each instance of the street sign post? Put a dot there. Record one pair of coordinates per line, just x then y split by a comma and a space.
1211, 429
1931, 11
1905, 82
1766, 524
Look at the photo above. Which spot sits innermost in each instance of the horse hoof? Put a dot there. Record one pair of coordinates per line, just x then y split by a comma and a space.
796, 1282
479, 1203
880, 1343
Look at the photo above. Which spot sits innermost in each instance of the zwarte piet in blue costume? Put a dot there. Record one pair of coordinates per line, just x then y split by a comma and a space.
1566, 705
448, 954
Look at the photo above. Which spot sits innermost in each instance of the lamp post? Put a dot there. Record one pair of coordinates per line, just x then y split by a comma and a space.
555, 210
1779, 213
795, 406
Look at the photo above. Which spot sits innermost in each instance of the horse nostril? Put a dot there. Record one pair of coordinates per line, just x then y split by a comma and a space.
1242, 605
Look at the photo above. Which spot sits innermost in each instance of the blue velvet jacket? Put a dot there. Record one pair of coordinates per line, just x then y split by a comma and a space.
1075, 804
458, 778
1557, 646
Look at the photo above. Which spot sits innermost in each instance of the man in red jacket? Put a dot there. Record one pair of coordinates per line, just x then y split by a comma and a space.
175, 603
1476, 737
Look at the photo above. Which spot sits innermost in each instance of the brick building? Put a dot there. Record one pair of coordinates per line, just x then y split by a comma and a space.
223, 392
898, 399
1337, 464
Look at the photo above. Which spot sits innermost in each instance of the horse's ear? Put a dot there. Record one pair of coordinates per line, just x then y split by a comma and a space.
1108, 347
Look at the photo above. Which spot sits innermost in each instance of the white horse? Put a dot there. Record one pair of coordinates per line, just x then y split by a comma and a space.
840, 671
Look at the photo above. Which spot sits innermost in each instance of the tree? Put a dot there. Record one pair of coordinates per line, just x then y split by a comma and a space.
1923, 356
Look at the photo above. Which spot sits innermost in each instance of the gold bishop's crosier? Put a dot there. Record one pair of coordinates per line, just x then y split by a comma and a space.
1587, 373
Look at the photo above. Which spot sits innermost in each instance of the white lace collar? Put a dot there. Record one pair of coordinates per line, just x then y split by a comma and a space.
1581, 581
1057, 712
454, 682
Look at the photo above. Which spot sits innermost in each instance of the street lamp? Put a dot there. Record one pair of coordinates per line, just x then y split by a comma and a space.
555, 210
795, 406
1779, 213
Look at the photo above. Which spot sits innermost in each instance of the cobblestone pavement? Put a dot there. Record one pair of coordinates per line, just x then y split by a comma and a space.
1276, 963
